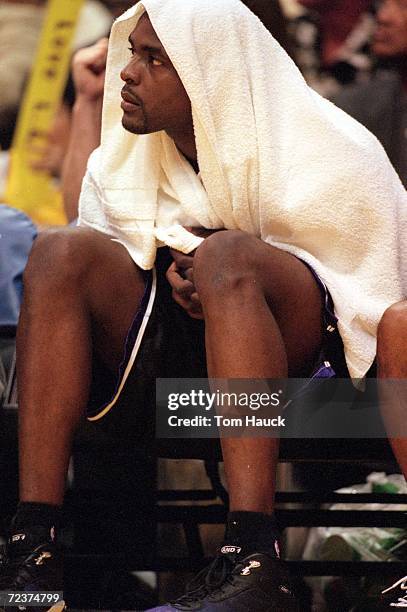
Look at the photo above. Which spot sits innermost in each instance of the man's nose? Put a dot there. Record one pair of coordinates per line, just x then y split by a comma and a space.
132, 71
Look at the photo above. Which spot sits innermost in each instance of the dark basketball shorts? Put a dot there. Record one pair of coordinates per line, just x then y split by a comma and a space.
165, 342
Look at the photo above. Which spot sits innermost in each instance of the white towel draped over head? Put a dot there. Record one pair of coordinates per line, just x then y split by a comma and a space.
276, 160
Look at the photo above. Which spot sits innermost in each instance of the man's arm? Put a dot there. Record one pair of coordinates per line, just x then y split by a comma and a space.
88, 71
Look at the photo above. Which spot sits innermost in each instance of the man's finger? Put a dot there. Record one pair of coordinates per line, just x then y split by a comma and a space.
182, 293
196, 315
185, 303
183, 261
194, 310
194, 297
188, 275
182, 287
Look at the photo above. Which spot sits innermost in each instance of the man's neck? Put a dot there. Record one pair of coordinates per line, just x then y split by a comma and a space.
194, 164
186, 144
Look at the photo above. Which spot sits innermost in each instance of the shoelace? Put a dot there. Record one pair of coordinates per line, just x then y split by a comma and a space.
402, 601
210, 579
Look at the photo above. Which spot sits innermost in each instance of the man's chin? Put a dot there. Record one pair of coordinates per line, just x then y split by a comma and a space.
134, 127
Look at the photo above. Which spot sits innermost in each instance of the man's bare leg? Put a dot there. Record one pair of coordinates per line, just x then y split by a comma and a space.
392, 365
263, 317
392, 379
81, 293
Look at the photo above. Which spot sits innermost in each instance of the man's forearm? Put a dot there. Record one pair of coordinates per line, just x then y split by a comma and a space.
85, 138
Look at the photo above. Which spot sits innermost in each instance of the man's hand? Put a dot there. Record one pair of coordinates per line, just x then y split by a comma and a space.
180, 275
88, 71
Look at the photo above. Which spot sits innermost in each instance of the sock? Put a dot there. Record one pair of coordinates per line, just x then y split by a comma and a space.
33, 514
253, 532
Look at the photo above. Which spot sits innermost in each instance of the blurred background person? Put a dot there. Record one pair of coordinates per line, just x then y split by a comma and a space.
19, 21
20, 29
332, 40
88, 72
381, 104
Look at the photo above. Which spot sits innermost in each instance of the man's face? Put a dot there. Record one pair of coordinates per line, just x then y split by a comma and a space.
154, 97
390, 38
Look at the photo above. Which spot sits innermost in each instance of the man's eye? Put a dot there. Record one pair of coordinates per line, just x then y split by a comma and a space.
154, 61
131, 50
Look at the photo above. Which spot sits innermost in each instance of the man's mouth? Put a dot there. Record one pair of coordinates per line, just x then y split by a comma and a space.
129, 103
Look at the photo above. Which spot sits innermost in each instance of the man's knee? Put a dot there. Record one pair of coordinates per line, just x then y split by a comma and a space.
58, 257
393, 323
224, 261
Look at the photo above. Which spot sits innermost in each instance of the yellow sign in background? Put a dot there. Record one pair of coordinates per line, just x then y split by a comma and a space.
30, 190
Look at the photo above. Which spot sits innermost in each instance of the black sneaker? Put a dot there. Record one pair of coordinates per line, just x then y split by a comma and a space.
392, 598
30, 564
395, 596
233, 583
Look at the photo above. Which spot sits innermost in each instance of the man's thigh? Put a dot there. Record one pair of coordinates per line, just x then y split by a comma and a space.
92, 277
236, 261
392, 341
170, 345
296, 300
115, 289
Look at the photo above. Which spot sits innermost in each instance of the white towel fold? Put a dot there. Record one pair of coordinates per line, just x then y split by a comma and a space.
276, 160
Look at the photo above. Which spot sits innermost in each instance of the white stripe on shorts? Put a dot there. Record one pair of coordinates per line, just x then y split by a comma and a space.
134, 352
